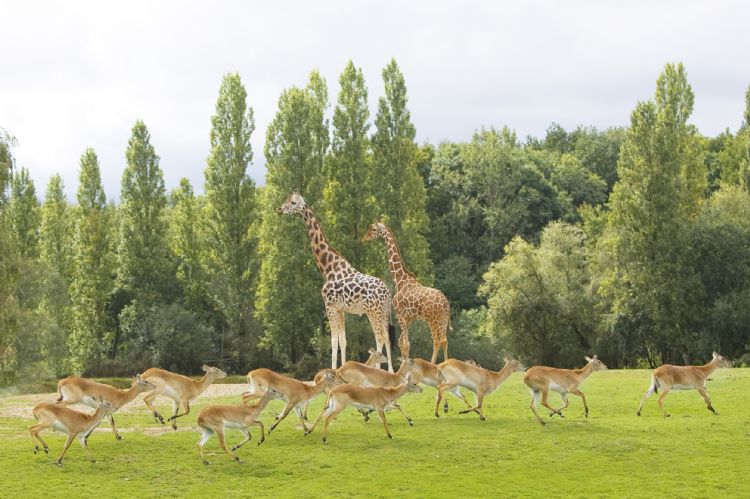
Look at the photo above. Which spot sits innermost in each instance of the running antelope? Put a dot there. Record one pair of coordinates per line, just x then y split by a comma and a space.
217, 418
365, 398
542, 379
482, 382
181, 389
69, 421
296, 393
668, 377
74, 390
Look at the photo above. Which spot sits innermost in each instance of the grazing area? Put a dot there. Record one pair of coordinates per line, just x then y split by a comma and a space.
612, 453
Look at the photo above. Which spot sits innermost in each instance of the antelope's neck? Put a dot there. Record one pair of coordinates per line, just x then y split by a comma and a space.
399, 273
585, 371
501, 375
708, 368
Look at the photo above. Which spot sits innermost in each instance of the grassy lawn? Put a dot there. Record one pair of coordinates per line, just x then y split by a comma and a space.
612, 453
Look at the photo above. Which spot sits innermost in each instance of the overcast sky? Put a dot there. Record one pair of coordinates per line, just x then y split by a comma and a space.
79, 74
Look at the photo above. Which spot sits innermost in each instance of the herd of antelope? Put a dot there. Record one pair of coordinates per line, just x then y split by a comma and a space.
364, 386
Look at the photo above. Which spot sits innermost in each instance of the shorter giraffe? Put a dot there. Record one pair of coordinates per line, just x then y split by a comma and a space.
412, 299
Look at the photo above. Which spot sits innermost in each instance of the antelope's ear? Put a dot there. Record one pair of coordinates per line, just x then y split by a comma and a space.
205, 368
506, 359
138, 377
371, 351
596, 357
715, 355
588, 359
408, 378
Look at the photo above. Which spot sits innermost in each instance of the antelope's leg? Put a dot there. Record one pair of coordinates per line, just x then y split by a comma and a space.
664, 391
71, 436
148, 399
651, 389
381, 415
246, 433
330, 418
534, 402
206, 434
289, 406
703, 393
223, 444
564, 397
82, 439
583, 398
401, 410
114, 428
35, 430
545, 403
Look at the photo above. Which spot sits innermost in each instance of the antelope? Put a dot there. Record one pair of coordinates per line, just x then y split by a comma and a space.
217, 418
668, 377
69, 421
482, 382
365, 398
296, 393
541, 379
179, 388
75, 390
427, 373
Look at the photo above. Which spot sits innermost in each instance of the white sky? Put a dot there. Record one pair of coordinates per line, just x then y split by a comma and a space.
76, 74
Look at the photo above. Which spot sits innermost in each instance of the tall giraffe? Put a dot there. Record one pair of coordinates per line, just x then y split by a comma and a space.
414, 301
345, 288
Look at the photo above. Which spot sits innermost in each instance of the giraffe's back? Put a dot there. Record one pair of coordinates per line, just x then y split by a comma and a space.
357, 293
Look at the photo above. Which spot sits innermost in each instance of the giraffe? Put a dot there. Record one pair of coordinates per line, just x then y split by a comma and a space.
346, 290
413, 301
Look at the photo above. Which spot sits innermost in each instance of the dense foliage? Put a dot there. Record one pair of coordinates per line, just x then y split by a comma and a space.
630, 242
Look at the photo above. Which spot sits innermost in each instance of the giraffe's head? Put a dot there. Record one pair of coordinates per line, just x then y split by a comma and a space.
293, 204
377, 229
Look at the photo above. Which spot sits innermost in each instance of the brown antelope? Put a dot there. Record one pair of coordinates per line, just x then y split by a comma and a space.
542, 379
181, 389
668, 377
217, 418
296, 393
69, 421
365, 398
482, 382
74, 390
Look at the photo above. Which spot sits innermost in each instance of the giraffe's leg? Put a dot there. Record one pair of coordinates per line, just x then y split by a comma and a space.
335, 320
436, 328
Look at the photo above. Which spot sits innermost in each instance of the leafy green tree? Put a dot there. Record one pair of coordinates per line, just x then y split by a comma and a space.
539, 299
288, 297
92, 268
349, 204
230, 218
720, 253
7, 265
186, 243
400, 196
24, 215
662, 180
581, 185
56, 230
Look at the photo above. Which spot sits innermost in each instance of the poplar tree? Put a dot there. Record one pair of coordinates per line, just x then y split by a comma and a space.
92, 267
288, 298
349, 204
144, 266
662, 180
25, 217
400, 195
185, 242
230, 215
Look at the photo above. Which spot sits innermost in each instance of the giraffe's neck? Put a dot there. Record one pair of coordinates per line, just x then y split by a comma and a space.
400, 274
326, 258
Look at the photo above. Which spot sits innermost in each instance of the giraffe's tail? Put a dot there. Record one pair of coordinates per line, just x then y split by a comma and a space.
392, 335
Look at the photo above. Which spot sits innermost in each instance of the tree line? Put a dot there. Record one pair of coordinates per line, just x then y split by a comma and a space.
630, 242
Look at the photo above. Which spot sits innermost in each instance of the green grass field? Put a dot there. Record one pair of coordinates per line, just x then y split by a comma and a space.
613, 453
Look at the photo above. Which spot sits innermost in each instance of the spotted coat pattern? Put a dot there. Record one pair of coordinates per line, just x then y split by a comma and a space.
414, 301
346, 290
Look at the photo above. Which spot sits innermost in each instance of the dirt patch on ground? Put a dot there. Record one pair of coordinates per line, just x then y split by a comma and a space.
20, 406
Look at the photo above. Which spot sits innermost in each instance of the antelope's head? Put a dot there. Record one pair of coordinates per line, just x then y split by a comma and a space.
142, 385
721, 361
293, 204
410, 385
514, 365
272, 393
213, 372
329, 378
376, 356
106, 406
377, 229
596, 364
